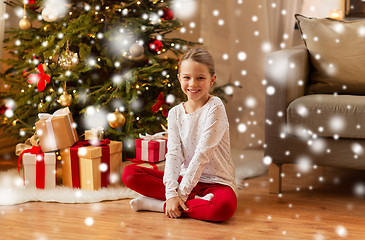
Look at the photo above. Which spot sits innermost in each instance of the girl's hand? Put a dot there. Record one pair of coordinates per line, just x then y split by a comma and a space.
173, 207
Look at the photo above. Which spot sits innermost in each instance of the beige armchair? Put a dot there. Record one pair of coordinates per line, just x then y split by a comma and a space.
315, 100
315, 129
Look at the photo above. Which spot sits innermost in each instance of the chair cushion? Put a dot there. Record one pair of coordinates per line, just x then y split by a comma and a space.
327, 115
337, 53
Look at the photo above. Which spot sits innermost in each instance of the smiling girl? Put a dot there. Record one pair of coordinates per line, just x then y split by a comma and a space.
198, 180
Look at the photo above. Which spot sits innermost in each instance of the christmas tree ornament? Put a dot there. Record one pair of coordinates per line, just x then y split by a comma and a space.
155, 46
65, 99
32, 4
116, 119
46, 28
41, 107
167, 14
25, 73
68, 59
24, 23
136, 50
49, 14
41, 78
3, 108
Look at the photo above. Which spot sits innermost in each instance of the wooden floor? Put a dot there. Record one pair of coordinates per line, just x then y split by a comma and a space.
318, 205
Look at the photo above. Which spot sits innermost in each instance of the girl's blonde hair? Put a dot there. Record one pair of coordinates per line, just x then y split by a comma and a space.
201, 56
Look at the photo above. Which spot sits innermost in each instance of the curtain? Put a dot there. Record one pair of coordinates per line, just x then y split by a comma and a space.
250, 31
2, 25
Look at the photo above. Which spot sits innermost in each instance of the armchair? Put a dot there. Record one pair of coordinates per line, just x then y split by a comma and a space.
315, 116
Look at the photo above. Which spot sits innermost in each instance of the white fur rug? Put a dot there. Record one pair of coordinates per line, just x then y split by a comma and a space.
12, 191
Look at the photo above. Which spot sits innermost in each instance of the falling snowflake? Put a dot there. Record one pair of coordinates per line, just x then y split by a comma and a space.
89, 221
242, 127
337, 123
184, 9
267, 160
103, 167
359, 189
341, 231
270, 90
304, 164
357, 148
242, 56
95, 117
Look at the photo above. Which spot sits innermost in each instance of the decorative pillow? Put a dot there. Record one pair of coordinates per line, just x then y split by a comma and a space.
337, 53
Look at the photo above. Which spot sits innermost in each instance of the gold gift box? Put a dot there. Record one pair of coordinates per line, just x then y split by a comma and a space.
89, 165
64, 134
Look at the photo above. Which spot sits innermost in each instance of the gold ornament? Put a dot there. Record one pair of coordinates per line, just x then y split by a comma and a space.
65, 99
116, 119
41, 107
46, 28
136, 50
24, 23
68, 59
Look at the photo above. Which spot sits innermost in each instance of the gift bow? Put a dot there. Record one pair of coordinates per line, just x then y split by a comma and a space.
59, 112
29, 143
152, 137
40, 77
161, 103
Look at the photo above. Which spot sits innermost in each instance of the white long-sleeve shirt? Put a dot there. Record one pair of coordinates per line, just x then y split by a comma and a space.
198, 149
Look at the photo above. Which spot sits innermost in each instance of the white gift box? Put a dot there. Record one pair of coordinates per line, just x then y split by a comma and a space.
30, 169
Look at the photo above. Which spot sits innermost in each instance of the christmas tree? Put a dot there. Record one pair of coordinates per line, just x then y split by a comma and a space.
108, 61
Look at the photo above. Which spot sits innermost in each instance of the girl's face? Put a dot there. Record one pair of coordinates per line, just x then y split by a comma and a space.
195, 80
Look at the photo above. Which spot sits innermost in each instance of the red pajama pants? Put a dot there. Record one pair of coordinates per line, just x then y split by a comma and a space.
149, 182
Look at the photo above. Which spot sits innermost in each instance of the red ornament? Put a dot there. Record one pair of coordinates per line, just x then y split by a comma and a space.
155, 46
25, 74
3, 108
33, 5
161, 103
167, 14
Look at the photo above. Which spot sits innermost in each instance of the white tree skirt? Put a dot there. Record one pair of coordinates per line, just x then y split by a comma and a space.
12, 191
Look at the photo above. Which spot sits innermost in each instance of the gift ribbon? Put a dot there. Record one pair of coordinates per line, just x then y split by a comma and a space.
145, 146
48, 117
40, 166
105, 158
40, 77
138, 162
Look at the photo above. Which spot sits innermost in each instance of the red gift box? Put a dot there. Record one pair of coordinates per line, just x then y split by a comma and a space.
151, 148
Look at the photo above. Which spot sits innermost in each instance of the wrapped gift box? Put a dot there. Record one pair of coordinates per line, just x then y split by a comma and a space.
41, 173
151, 150
94, 134
159, 166
87, 171
56, 131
